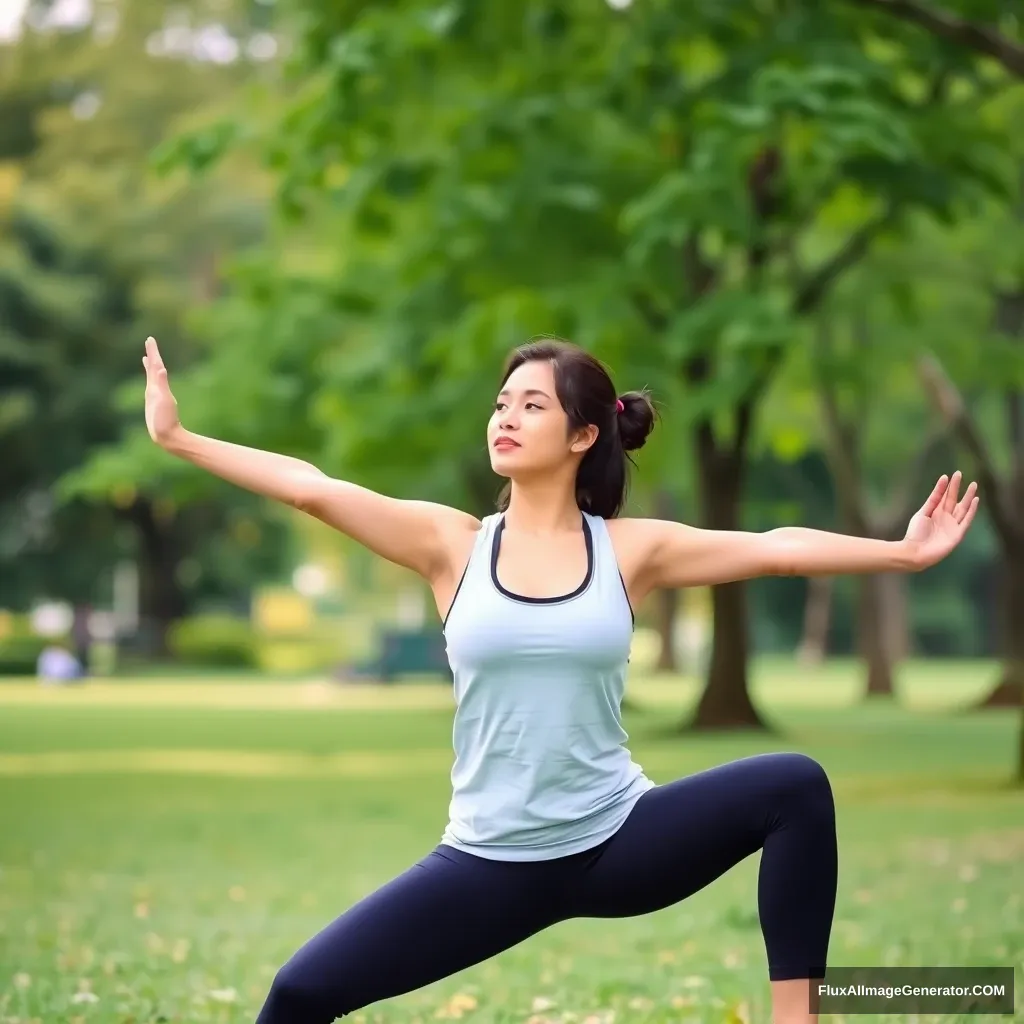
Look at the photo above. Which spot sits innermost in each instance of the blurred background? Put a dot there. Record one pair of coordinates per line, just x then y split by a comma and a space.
801, 226
337, 219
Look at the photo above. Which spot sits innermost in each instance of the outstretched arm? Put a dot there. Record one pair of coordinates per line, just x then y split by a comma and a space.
675, 555
417, 535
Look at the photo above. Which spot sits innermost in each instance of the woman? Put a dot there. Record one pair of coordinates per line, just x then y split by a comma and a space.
550, 818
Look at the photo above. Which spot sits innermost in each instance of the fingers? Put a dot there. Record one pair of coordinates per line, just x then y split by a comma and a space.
969, 514
938, 492
156, 372
153, 354
952, 492
964, 504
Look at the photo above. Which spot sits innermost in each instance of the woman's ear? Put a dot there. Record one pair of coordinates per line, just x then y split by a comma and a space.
584, 439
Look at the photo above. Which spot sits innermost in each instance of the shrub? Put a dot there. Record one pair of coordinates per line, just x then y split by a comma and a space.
216, 641
20, 653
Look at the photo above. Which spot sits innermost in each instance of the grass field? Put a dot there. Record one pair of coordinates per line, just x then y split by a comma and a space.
165, 846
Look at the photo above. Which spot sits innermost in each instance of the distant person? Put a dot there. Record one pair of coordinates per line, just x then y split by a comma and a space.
550, 817
56, 666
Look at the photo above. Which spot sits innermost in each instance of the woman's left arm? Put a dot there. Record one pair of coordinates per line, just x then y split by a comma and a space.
674, 555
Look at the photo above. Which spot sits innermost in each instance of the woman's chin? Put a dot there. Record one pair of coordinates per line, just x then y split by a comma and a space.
504, 463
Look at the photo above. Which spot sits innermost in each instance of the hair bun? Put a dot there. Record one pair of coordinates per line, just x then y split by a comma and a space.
636, 420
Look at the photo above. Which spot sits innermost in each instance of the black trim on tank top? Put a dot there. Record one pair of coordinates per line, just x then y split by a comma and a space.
625, 594
455, 596
588, 540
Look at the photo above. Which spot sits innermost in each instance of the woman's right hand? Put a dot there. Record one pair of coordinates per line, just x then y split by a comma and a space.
161, 408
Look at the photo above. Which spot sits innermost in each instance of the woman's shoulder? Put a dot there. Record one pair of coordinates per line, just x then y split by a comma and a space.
633, 538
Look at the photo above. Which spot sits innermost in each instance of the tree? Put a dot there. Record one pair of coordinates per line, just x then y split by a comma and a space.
1003, 489
98, 254
854, 376
677, 190
977, 279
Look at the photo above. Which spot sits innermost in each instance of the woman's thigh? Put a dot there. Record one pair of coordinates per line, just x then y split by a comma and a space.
685, 834
444, 914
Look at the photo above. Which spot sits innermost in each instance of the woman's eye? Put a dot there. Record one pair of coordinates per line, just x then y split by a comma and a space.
532, 405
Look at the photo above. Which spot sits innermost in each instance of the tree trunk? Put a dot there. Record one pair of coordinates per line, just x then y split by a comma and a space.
872, 638
817, 619
896, 619
1019, 777
161, 601
725, 703
668, 603
1010, 690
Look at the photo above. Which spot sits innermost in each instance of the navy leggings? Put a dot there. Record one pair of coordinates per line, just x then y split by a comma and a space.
453, 910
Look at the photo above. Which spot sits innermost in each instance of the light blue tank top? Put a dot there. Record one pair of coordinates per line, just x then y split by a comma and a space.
541, 769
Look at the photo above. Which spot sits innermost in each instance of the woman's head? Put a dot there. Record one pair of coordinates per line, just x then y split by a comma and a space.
557, 411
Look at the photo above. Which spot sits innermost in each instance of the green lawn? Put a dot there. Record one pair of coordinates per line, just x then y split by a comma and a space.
165, 845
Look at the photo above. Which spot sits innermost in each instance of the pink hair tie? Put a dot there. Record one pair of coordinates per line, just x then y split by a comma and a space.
618, 405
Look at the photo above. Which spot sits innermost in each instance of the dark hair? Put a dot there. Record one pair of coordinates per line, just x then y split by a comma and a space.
585, 391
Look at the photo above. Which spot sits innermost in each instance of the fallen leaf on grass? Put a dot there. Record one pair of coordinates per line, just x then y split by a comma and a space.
459, 1004
738, 1014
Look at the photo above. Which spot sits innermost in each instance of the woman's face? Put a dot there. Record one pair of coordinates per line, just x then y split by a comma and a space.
528, 432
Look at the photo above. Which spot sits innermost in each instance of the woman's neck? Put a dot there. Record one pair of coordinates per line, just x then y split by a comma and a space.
543, 507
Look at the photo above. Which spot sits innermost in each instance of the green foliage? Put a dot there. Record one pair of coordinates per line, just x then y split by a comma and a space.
20, 647
663, 186
213, 641
98, 252
19, 654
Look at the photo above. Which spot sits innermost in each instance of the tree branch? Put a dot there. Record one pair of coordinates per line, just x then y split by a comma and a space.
816, 286
840, 438
1015, 428
891, 521
980, 38
949, 402
655, 319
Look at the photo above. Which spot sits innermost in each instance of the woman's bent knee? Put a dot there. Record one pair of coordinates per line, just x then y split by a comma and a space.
295, 999
804, 782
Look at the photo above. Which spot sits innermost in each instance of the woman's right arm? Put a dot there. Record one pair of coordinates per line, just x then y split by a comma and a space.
418, 535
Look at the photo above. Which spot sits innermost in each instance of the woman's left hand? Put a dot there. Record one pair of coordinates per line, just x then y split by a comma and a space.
941, 522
